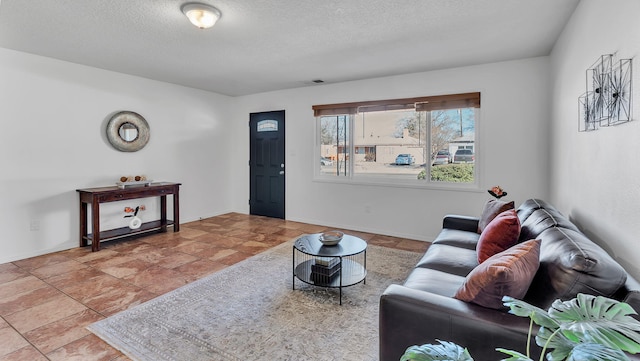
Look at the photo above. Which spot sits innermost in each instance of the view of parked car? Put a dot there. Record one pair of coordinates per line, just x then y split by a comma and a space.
463, 156
442, 157
405, 159
325, 161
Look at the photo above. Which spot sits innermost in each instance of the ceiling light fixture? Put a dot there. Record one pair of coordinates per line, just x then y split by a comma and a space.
201, 15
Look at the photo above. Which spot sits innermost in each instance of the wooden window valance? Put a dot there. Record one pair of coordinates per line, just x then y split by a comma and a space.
439, 102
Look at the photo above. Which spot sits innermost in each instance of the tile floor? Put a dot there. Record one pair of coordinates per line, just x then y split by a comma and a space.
46, 301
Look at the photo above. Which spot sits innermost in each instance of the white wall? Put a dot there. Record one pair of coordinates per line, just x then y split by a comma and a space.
53, 116
595, 176
512, 148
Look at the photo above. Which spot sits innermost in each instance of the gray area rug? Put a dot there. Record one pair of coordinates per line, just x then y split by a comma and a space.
249, 312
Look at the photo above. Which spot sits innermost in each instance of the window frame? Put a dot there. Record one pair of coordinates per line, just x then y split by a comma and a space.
430, 103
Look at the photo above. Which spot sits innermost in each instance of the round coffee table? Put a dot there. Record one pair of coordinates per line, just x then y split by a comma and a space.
342, 265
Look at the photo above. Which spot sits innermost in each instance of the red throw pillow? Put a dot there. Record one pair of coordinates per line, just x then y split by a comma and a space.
501, 233
507, 273
491, 209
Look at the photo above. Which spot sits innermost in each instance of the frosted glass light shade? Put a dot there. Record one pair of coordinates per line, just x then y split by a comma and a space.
201, 15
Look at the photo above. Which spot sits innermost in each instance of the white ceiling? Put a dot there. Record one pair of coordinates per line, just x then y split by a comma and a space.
263, 45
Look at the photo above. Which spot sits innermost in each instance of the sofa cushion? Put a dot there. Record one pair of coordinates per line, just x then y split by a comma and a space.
570, 263
500, 234
434, 281
508, 273
491, 209
449, 259
457, 238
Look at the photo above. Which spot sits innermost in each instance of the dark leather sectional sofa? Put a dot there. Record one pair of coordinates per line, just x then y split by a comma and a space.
423, 309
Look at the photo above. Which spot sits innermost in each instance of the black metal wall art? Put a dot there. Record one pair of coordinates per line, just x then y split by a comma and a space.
607, 100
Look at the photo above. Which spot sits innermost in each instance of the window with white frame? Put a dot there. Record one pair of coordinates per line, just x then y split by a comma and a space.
414, 140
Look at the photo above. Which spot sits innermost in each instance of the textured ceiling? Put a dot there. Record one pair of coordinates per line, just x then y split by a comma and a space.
263, 45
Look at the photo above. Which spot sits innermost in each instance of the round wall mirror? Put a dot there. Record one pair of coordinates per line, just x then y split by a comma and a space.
127, 131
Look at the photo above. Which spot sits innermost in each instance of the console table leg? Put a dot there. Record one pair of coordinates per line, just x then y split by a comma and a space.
163, 213
95, 225
176, 211
83, 223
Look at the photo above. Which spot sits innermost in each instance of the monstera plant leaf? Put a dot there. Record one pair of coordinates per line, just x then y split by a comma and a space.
445, 351
600, 320
515, 355
585, 328
595, 352
523, 309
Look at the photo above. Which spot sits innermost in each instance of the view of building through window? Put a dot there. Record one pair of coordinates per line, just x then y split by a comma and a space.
428, 145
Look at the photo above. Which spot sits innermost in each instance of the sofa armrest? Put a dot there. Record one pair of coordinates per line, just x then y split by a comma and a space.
412, 317
462, 223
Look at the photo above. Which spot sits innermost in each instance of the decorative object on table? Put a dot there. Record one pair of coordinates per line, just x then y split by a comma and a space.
135, 222
128, 131
325, 269
587, 327
331, 238
126, 181
607, 100
497, 192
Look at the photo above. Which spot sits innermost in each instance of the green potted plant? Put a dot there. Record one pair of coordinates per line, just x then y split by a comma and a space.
586, 328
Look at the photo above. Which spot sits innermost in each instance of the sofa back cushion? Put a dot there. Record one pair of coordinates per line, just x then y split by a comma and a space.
570, 263
491, 209
501, 233
530, 205
540, 220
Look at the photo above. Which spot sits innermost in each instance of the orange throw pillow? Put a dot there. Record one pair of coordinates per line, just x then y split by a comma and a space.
501, 233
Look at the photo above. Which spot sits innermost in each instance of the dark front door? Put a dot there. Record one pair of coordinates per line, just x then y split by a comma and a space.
266, 164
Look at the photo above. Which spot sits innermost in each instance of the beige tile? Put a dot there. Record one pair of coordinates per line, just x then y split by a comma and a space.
56, 308
11, 341
200, 268
41, 261
56, 334
193, 248
70, 279
88, 348
175, 259
15, 302
222, 253
96, 286
127, 268
87, 255
190, 233
29, 353
10, 272
19, 286
51, 270
152, 254
291, 232
108, 262
120, 299
157, 275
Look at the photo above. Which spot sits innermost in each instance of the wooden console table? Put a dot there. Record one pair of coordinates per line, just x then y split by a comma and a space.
95, 196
